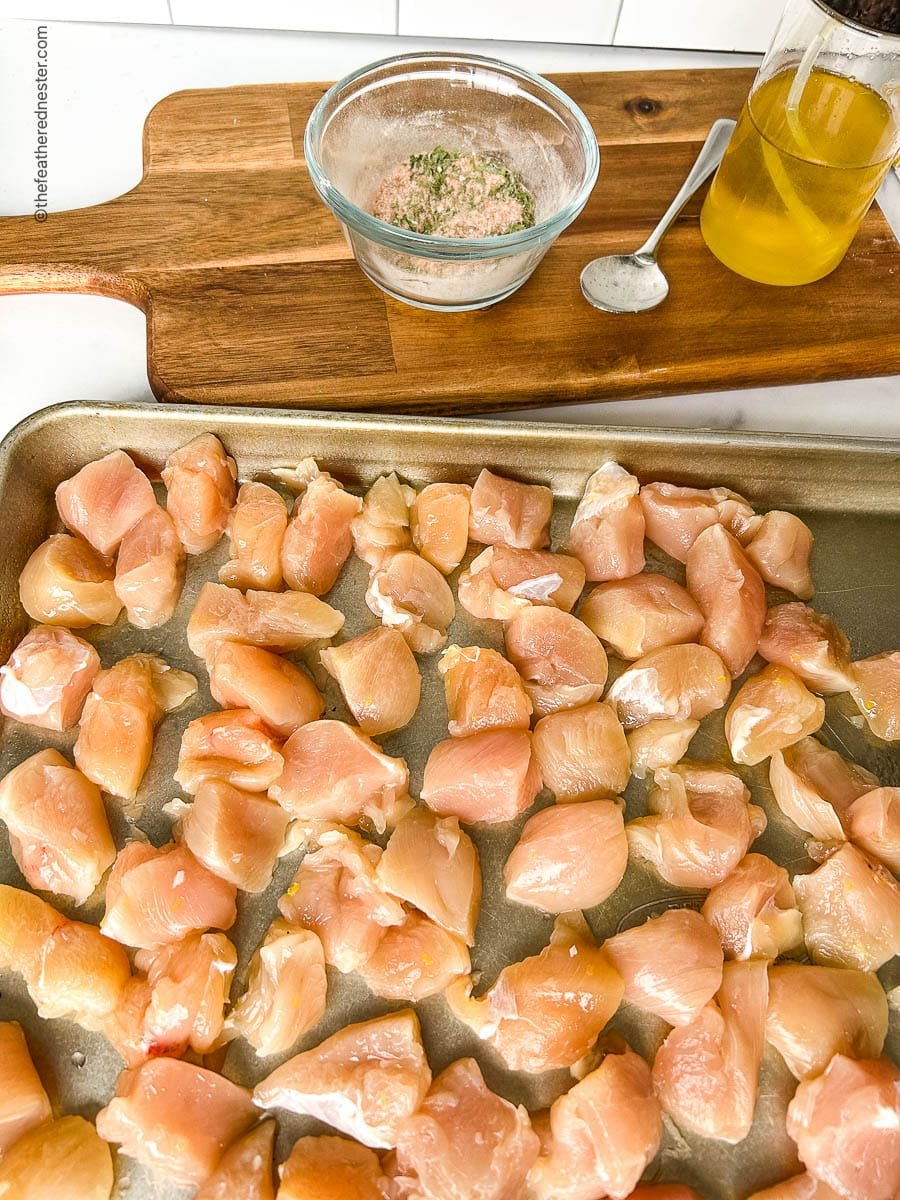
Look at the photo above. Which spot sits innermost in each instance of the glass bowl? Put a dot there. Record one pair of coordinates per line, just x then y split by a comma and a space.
383, 113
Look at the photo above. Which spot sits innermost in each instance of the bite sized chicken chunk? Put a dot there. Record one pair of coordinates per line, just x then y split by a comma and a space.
676, 516
659, 744
58, 831
490, 776
607, 532
58, 1158
333, 772
675, 987
569, 856
771, 711
46, 679
754, 911
506, 512
876, 690
66, 582
365, 1081
676, 683
851, 911
561, 663
201, 486
104, 500
809, 644
873, 824
281, 695
706, 1073
700, 826
246, 1168
817, 1012
381, 528
503, 580
255, 530
546, 1011
150, 570
815, 786
378, 677
483, 690
798, 1187
731, 596
238, 835
318, 539
409, 594
333, 1167
234, 746
439, 523
779, 548
415, 959
582, 753
281, 621
644, 613
24, 1103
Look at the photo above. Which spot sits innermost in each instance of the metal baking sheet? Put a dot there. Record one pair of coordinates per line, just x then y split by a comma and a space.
848, 492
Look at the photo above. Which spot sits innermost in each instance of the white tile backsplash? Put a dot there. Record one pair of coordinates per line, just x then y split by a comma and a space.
333, 16
578, 21
133, 12
699, 24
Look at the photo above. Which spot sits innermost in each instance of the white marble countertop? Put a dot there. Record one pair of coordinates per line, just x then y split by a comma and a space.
103, 79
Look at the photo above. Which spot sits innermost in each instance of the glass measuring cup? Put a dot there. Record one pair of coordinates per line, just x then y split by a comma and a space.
818, 133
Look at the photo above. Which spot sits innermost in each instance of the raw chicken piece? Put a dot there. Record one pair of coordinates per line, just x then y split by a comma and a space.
810, 645
569, 856
235, 834
548, 1010
256, 528
407, 593
381, 528
365, 1080
582, 753
286, 990
439, 521
603, 1133
815, 787
817, 1012
659, 744
23, 1102
673, 986
489, 776
607, 532
177, 1001
706, 1074
754, 912
873, 823
679, 682
56, 1159
846, 1123
277, 620
318, 539
876, 690
330, 1168
175, 1118
45, 680
510, 513
465, 1142
414, 960
58, 831
200, 491
150, 570
800, 1187
562, 663
779, 549
772, 710
104, 500
127, 702
156, 897
731, 595
431, 863
282, 695
26, 924
502, 581
676, 516
246, 1168
337, 894
851, 911
701, 824
483, 690
644, 613
333, 772
234, 746
66, 582
378, 677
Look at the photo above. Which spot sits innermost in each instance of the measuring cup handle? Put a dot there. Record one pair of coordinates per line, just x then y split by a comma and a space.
707, 160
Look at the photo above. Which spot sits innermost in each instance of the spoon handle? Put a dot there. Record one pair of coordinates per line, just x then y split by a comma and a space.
707, 160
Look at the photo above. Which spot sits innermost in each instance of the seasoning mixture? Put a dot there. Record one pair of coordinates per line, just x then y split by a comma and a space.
453, 194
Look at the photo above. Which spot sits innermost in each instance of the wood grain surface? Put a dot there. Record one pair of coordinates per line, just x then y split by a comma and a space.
252, 295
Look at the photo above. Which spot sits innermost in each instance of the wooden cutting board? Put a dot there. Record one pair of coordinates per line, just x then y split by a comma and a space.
252, 296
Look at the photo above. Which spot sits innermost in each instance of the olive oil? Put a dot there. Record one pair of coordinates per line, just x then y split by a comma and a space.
798, 177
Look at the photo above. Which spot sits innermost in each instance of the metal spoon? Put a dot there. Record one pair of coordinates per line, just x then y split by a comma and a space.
633, 283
